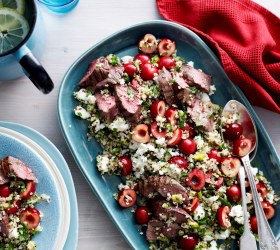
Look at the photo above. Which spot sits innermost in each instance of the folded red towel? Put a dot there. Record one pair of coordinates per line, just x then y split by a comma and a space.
245, 36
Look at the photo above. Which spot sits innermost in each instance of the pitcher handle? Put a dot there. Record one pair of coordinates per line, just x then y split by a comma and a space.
34, 70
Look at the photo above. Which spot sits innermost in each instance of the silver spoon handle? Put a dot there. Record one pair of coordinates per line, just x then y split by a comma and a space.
267, 240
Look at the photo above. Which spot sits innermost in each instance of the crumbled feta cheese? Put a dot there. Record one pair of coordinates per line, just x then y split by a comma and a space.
249, 198
31, 245
85, 96
13, 233
103, 163
237, 213
126, 59
119, 124
222, 235
199, 213
81, 112
160, 141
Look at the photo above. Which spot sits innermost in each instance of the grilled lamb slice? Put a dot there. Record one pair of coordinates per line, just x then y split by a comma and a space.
183, 91
98, 70
196, 77
115, 74
3, 178
156, 227
165, 84
175, 214
202, 114
4, 224
164, 185
128, 102
107, 106
14, 166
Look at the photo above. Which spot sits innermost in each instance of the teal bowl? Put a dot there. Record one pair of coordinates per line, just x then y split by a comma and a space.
124, 42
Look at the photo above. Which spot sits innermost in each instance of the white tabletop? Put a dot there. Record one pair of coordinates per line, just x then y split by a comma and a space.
67, 37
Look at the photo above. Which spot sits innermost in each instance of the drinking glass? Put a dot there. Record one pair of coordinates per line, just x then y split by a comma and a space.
60, 6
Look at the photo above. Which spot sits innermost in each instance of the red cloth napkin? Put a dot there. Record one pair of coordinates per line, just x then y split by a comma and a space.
245, 36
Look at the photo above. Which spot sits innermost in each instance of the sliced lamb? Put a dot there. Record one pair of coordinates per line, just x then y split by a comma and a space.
98, 70
128, 102
170, 213
165, 84
13, 166
107, 106
164, 185
115, 74
202, 114
156, 227
3, 178
196, 77
4, 224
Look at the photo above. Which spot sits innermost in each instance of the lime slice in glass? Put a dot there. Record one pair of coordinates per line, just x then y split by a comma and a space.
13, 29
17, 5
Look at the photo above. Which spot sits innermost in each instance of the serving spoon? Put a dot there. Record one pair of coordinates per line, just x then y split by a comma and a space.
267, 240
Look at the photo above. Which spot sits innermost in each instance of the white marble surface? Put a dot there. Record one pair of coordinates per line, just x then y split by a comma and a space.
68, 36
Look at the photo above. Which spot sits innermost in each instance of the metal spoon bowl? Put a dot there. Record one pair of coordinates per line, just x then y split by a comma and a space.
267, 240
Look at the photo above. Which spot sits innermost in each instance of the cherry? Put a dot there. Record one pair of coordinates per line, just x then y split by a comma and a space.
179, 161
176, 137
209, 179
234, 193
142, 58
215, 154
156, 132
268, 209
171, 114
166, 47
126, 165
262, 190
127, 198
148, 71
254, 224
187, 146
30, 188
130, 68
148, 44
141, 133
5, 190
14, 207
233, 131
189, 128
142, 215
30, 217
193, 206
167, 62
157, 109
187, 242
242, 146
230, 166
222, 216
196, 179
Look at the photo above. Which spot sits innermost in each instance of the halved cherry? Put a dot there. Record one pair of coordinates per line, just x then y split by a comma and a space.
223, 216
234, 193
194, 204
196, 179
211, 180
142, 215
130, 68
171, 115
233, 131
242, 146
142, 59
148, 71
189, 128
156, 132
181, 162
29, 190
141, 133
219, 182
148, 43
230, 166
127, 197
126, 165
30, 217
157, 109
14, 207
254, 224
187, 242
268, 209
5, 190
262, 190
187, 146
215, 154
176, 137
167, 62
166, 47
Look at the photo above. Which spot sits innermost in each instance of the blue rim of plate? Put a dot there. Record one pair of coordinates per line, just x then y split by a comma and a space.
53, 152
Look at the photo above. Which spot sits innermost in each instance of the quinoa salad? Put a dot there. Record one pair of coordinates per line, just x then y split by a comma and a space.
19, 219
153, 116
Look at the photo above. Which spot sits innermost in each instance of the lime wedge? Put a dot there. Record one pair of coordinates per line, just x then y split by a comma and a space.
17, 5
13, 29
